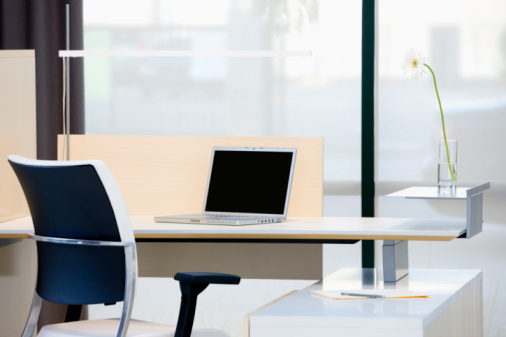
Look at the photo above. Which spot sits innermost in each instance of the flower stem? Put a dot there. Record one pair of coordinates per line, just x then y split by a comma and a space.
443, 122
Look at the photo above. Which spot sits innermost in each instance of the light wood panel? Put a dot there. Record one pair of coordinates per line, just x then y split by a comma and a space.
17, 125
161, 175
17, 136
248, 260
18, 264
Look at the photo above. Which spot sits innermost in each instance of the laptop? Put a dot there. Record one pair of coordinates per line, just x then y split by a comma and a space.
245, 186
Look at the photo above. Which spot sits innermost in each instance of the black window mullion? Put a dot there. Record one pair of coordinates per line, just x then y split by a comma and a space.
368, 104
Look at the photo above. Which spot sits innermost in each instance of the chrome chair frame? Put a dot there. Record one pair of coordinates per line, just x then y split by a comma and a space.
191, 283
130, 277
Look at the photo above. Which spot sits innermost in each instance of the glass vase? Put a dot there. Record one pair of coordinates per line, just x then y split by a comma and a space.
447, 167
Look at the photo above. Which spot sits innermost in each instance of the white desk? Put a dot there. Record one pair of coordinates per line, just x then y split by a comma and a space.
297, 228
453, 309
229, 249
249, 250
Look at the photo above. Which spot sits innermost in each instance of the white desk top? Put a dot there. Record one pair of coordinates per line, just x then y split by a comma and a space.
443, 287
324, 228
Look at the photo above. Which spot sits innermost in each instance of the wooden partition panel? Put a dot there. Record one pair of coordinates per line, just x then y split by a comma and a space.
17, 125
161, 175
17, 136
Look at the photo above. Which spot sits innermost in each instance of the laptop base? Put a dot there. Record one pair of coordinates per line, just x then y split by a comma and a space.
216, 220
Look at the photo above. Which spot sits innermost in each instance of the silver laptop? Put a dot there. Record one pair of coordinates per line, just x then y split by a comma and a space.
246, 185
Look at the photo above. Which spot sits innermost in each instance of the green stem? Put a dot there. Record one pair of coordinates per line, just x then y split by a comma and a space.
443, 121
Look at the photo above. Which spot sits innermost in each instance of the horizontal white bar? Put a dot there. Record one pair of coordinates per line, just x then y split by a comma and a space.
184, 53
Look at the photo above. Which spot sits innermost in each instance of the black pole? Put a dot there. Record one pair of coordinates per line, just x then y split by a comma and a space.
368, 99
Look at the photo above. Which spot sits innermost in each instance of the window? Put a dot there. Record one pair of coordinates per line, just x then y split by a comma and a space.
317, 96
465, 43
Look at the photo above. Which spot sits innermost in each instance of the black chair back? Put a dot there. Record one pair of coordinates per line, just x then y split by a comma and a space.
71, 202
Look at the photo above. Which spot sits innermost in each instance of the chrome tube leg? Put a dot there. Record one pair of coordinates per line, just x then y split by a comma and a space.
131, 276
33, 317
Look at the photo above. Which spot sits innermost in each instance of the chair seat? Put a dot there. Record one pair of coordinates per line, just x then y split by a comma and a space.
109, 328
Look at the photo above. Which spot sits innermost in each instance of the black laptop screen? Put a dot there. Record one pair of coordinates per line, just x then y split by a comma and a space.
249, 182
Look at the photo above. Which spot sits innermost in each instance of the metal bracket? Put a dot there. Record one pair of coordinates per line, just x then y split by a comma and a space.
474, 210
395, 260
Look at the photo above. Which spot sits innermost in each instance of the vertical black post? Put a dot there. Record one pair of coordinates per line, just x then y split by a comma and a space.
368, 104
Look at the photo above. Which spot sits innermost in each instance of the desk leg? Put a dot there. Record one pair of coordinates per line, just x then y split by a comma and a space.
395, 260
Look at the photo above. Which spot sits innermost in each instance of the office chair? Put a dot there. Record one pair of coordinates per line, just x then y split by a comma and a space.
86, 251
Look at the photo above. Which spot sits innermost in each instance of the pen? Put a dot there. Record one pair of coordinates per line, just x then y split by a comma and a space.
362, 295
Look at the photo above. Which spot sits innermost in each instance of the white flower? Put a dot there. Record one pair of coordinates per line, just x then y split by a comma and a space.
414, 63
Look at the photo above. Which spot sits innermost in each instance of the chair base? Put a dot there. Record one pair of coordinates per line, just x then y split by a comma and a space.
109, 328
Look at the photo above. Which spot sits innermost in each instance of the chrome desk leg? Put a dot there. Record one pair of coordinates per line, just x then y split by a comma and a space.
395, 260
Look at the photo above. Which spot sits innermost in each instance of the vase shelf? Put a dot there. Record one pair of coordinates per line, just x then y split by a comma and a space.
473, 196
433, 192
395, 253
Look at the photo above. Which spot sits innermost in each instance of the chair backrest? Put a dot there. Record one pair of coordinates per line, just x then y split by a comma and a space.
77, 200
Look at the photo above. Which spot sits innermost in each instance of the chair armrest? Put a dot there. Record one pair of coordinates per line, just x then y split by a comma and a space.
192, 284
209, 278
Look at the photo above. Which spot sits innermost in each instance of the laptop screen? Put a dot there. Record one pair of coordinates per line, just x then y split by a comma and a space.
250, 180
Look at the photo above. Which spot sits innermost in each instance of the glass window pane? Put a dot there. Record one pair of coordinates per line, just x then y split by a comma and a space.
312, 96
466, 52
317, 96
465, 44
